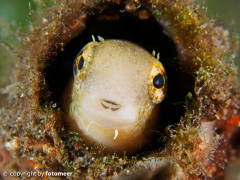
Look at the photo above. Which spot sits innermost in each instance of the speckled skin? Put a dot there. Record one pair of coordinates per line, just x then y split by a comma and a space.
121, 73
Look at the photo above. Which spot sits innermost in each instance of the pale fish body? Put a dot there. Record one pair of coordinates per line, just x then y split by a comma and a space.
116, 86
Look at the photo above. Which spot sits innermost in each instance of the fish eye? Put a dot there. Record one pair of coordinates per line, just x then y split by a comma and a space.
158, 81
78, 63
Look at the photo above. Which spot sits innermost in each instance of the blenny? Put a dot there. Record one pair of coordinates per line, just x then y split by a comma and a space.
113, 96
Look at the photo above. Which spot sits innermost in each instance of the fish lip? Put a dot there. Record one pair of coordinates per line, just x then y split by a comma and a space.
110, 105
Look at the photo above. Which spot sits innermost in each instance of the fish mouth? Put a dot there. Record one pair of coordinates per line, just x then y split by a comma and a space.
110, 105
105, 112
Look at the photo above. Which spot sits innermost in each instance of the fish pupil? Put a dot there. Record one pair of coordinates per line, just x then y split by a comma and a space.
158, 81
81, 62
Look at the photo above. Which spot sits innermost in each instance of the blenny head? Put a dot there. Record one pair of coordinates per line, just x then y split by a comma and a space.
115, 89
